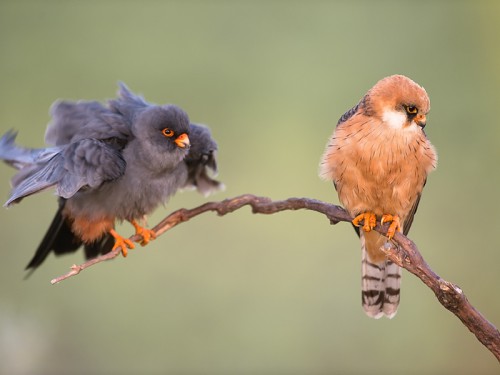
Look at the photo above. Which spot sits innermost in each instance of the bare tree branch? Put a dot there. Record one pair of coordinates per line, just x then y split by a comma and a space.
401, 251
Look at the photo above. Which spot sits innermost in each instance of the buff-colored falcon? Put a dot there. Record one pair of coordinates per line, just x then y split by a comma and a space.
378, 159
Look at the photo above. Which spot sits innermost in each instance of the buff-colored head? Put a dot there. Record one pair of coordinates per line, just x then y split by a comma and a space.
398, 101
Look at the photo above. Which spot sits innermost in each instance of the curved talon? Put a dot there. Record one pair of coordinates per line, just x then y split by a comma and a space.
369, 221
146, 234
124, 243
395, 224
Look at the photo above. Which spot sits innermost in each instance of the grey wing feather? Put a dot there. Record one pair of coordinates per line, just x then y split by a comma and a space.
89, 163
19, 157
74, 121
83, 164
346, 116
35, 178
360, 106
409, 218
127, 104
68, 119
201, 161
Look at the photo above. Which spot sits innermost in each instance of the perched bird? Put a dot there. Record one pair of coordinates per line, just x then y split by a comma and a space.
378, 159
110, 162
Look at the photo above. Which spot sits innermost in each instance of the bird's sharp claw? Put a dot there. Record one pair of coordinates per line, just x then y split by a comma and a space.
121, 242
146, 234
369, 221
395, 224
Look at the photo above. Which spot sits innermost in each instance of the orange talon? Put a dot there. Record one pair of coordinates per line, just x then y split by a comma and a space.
146, 234
369, 221
124, 243
395, 224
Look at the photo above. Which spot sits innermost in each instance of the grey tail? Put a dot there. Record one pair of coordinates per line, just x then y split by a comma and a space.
61, 240
380, 286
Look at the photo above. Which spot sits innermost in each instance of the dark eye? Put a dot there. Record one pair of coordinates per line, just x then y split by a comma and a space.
167, 132
411, 110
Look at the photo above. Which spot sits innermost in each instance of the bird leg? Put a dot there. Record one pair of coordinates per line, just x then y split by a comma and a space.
146, 234
395, 224
369, 221
121, 242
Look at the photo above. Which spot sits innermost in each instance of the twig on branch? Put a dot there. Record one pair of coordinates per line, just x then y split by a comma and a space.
402, 251
260, 205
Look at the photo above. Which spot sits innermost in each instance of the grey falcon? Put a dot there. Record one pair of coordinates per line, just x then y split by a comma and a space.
109, 162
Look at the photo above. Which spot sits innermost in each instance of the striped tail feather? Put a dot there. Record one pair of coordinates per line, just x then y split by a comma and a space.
380, 286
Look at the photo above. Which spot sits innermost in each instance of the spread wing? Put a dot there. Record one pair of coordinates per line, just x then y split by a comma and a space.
19, 157
80, 165
74, 121
127, 104
200, 161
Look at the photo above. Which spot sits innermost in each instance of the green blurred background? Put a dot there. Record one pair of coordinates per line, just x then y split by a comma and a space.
248, 294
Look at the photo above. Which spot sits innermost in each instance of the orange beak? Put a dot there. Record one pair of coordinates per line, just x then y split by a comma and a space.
420, 120
182, 141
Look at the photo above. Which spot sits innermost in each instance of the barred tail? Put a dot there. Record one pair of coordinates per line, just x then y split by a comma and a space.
380, 285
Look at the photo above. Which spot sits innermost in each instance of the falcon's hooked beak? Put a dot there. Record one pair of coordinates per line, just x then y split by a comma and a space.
182, 141
420, 120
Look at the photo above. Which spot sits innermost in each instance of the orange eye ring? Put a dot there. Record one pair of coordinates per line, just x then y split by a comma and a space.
167, 132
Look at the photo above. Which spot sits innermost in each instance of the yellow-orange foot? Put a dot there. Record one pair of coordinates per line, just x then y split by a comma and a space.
123, 243
146, 234
369, 221
395, 224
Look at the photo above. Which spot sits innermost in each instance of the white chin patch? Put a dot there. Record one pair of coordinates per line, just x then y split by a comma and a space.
394, 119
